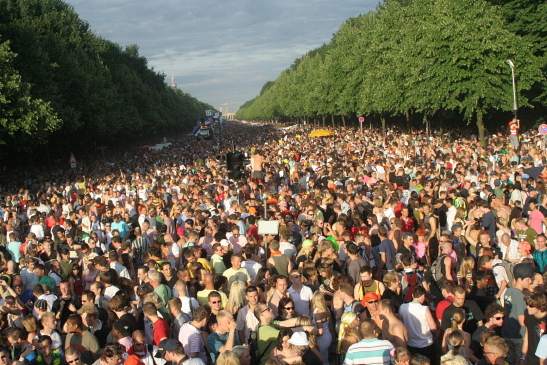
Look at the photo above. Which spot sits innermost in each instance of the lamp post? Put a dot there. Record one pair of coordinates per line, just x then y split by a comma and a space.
512, 65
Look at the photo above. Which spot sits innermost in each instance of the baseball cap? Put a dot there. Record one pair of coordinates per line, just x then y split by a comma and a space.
370, 297
167, 345
299, 338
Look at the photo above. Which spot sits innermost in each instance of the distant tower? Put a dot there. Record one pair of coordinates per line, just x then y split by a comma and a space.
173, 82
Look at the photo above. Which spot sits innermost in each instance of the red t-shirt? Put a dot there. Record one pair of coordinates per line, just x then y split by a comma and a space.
441, 307
161, 331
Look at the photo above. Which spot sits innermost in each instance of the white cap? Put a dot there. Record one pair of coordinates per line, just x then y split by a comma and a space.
299, 338
224, 242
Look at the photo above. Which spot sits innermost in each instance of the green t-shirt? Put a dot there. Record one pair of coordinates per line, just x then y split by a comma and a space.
265, 343
164, 293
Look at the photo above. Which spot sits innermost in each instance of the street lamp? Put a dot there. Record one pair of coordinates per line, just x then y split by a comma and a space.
512, 65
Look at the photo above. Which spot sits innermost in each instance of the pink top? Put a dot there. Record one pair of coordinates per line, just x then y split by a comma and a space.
420, 247
535, 219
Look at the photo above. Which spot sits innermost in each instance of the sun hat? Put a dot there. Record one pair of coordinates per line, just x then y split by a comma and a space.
299, 338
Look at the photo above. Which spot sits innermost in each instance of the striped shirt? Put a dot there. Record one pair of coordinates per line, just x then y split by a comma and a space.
369, 351
140, 246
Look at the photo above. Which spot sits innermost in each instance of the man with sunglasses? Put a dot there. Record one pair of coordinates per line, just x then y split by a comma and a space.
266, 337
300, 294
493, 317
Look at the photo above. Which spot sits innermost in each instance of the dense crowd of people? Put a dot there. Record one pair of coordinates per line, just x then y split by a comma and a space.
359, 248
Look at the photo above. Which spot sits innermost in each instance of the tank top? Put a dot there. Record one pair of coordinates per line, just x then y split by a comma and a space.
413, 316
372, 288
281, 264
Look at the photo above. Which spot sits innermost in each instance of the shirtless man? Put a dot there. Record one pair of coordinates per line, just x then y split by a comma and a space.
393, 328
257, 160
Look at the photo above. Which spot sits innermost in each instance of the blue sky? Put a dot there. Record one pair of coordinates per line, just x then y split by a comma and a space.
221, 51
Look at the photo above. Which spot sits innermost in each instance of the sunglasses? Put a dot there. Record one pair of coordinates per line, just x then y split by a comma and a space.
216, 302
73, 360
267, 309
498, 318
373, 302
288, 308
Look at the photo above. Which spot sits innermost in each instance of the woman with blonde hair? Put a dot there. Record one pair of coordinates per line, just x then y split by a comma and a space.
465, 273
321, 318
348, 333
227, 358
306, 252
236, 297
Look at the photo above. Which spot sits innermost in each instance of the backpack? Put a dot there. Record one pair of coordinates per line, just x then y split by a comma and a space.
508, 267
437, 268
412, 280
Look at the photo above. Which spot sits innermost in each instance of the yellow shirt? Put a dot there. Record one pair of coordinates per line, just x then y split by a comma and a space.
202, 297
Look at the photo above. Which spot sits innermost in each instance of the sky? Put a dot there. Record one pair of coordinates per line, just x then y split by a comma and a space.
220, 51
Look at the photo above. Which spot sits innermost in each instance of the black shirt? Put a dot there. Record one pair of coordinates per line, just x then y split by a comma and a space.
310, 358
534, 334
473, 316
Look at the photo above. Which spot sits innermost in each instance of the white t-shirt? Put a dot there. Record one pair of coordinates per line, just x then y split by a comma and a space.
246, 321
38, 231
110, 292
499, 272
120, 269
301, 299
287, 249
252, 268
188, 305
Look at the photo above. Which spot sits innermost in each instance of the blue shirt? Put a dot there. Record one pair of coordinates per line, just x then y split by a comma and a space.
215, 342
121, 227
388, 249
540, 257
13, 248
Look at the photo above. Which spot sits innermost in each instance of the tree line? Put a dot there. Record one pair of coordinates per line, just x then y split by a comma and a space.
416, 60
64, 86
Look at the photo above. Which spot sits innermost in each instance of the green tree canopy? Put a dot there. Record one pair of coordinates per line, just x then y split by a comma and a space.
412, 57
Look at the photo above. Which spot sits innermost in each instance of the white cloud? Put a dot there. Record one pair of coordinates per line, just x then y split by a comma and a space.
220, 50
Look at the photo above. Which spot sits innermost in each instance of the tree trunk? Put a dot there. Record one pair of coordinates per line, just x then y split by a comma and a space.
332, 120
426, 122
344, 120
323, 120
481, 128
407, 116
383, 121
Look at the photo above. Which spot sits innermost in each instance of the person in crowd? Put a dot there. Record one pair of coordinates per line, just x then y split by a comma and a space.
393, 329
420, 332
415, 239
493, 320
370, 349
